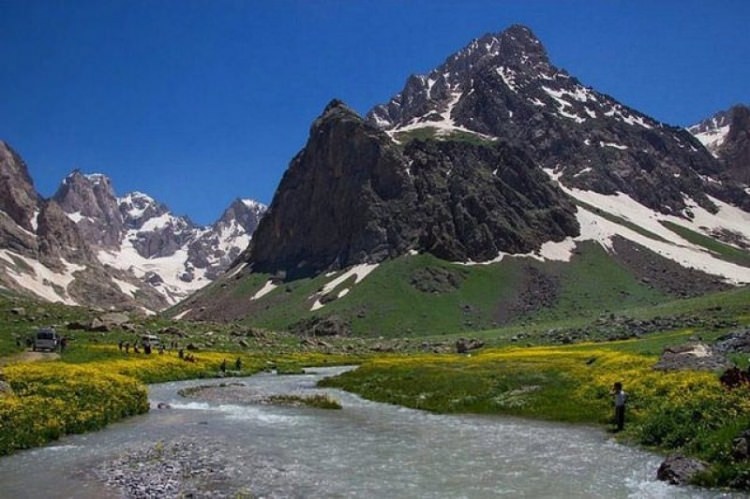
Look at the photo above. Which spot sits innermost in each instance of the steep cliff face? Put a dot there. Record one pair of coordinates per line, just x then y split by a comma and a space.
353, 196
344, 199
19, 203
477, 201
59, 239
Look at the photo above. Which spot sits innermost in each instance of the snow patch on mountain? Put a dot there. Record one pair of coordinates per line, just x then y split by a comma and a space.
253, 204
597, 227
172, 282
135, 204
77, 216
712, 133
613, 145
125, 286
267, 288
41, 280
358, 271
509, 77
551, 251
665, 242
232, 236
442, 123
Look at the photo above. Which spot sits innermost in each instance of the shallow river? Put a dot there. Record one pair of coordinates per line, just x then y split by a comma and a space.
365, 450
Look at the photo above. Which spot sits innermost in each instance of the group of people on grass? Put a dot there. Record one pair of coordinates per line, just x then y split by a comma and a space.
187, 357
145, 346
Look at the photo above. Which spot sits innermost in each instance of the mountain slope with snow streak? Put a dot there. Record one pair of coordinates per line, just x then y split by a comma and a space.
657, 237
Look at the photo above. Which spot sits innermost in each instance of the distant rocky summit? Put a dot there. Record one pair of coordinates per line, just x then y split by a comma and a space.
87, 246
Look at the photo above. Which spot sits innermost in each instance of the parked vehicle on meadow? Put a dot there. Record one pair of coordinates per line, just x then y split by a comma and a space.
151, 340
46, 339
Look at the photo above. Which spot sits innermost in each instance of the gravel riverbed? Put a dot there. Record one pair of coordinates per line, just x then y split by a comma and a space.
184, 468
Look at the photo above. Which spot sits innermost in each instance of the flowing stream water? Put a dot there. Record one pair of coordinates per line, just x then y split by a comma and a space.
366, 449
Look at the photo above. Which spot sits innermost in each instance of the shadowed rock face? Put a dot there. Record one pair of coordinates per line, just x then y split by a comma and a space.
346, 198
354, 196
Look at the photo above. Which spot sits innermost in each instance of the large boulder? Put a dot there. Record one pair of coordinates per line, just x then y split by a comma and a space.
696, 356
323, 326
679, 469
464, 346
109, 321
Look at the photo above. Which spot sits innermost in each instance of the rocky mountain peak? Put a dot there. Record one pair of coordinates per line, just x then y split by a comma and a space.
518, 45
335, 111
515, 47
324, 213
90, 201
246, 212
502, 87
216, 247
712, 131
428, 97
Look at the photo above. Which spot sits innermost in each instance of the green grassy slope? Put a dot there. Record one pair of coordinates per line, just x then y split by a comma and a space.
421, 295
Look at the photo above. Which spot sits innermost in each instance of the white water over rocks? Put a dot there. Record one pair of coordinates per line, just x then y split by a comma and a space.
219, 449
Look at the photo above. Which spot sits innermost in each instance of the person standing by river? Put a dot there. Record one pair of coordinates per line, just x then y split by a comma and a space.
620, 397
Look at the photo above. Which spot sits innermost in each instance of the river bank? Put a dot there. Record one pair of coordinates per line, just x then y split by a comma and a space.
689, 412
217, 449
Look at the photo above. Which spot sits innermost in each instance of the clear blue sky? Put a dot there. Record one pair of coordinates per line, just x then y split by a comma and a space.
198, 102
